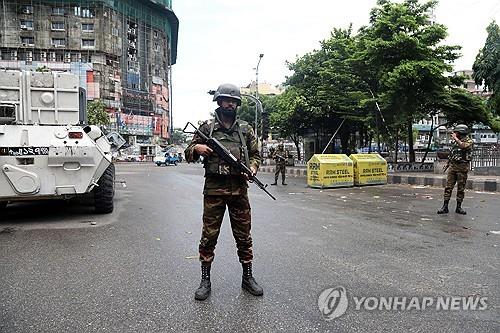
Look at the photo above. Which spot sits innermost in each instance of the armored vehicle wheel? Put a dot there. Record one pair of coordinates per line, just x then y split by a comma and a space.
104, 193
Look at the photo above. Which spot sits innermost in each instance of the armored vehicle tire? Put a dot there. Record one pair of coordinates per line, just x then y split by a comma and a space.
104, 193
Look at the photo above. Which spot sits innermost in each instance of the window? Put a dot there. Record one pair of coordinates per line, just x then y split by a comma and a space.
114, 31
155, 34
58, 26
88, 27
27, 24
88, 42
26, 9
77, 11
87, 12
58, 42
28, 40
157, 47
86, 58
57, 11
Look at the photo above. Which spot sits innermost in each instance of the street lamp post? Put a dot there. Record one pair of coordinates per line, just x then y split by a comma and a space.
257, 88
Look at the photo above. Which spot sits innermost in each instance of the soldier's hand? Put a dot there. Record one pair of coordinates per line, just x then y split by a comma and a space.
202, 149
254, 172
454, 136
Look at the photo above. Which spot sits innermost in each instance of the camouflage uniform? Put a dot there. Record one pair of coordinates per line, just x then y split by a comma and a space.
280, 157
459, 164
226, 187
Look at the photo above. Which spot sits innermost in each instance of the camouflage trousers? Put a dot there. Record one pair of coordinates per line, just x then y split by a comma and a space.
214, 207
457, 173
280, 168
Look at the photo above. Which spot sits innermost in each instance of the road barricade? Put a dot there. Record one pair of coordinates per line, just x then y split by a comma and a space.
369, 169
330, 170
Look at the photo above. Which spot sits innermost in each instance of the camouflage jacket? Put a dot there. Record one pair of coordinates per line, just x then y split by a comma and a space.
220, 179
280, 156
461, 155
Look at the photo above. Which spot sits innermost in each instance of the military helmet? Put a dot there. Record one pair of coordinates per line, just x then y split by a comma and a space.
462, 129
280, 145
228, 90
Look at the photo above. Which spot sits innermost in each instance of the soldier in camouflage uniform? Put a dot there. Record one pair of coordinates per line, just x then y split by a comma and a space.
226, 187
280, 157
458, 167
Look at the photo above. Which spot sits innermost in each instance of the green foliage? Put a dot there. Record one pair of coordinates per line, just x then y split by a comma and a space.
247, 110
96, 113
460, 106
487, 66
42, 69
399, 60
178, 137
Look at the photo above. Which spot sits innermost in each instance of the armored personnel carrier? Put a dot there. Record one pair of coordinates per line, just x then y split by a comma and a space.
46, 149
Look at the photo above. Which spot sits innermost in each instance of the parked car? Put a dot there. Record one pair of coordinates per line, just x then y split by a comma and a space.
166, 159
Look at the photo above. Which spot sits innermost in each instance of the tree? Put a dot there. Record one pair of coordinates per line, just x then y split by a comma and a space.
289, 117
406, 49
332, 88
178, 137
487, 66
246, 111
96, 113
463, 107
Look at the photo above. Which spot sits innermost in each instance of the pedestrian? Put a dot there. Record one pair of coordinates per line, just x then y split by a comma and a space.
225, 186
280, 156
458, 167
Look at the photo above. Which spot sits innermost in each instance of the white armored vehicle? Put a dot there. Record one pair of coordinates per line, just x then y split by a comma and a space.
46, 150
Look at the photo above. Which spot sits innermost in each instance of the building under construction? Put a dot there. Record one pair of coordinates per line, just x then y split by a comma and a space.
122, 51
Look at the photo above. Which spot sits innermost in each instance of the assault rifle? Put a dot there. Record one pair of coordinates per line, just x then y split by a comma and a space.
227, 156
280, 157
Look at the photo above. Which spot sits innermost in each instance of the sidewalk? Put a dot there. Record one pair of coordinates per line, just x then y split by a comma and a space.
475, 183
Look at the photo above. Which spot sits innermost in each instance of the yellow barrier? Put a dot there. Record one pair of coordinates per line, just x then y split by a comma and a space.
369, 169
330, 170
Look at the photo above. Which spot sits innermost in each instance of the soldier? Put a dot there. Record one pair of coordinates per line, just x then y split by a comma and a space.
458, 167
226, 187
280, 157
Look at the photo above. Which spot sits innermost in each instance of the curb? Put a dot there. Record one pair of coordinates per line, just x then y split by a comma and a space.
482, 185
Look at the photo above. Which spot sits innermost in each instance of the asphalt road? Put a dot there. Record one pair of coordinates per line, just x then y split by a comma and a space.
64, 269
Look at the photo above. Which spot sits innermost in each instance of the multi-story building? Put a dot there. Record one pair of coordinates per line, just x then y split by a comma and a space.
122, 50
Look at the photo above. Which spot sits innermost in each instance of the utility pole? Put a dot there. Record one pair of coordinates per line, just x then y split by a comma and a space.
257, 89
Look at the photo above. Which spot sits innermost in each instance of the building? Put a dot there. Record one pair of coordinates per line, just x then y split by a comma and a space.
122, 50
264, 89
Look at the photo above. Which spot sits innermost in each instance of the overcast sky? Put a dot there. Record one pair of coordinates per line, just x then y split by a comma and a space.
220, 40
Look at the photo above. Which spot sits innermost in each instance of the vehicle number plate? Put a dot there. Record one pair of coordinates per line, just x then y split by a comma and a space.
23, 151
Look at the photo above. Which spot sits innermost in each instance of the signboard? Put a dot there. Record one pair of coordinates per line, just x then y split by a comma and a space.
132, 124
369, 169
330, 170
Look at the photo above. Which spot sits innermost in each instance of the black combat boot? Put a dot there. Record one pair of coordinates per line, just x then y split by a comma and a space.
444, 209
283, 183
205, 287
275, 182
459, 209
248, 282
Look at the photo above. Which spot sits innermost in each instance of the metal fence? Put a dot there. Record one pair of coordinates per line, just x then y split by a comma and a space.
486, 157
